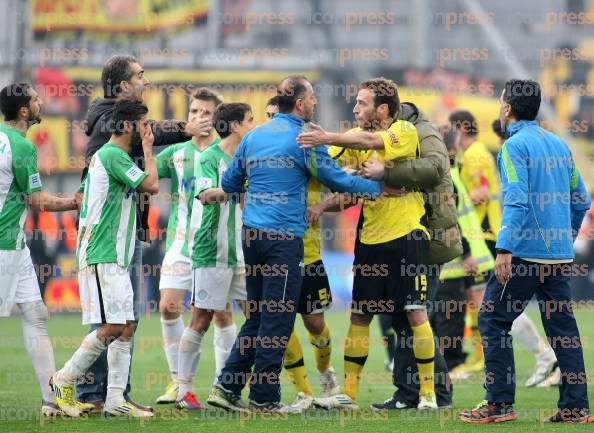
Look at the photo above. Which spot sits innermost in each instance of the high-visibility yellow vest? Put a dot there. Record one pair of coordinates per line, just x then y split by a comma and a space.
471, 230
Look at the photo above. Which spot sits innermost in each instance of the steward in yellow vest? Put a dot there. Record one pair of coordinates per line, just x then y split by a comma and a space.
472, 235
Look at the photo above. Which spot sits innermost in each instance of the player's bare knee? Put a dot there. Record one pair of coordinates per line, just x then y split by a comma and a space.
222, 319
128, 330
314, 323
110, 331
169, 308
200, 321
361, 319
416, 317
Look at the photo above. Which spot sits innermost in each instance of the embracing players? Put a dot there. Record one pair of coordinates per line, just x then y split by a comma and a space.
392, 241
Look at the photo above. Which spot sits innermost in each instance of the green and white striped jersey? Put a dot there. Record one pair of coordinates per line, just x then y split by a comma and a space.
19, 177
107, 225
217, 238
179, 163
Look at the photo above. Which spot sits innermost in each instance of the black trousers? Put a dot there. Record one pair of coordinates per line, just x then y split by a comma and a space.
405, 375
448, 320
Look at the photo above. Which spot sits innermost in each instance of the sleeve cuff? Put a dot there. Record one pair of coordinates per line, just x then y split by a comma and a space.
139, 180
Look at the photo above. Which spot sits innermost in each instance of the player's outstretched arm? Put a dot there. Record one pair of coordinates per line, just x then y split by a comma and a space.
199, 127
360, 140
213, 196
43, 202
325, 169
168, 132
334, 203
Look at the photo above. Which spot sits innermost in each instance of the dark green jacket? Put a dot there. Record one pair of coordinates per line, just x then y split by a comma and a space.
430, 173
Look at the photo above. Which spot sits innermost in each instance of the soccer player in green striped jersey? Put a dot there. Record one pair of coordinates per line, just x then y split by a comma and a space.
179, 163
20, 187
218, 271
105, 248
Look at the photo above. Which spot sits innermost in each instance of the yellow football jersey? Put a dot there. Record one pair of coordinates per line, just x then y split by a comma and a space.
389, 218
478, 169
311, 237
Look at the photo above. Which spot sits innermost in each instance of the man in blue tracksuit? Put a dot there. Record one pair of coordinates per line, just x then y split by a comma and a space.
544, 202
277, 171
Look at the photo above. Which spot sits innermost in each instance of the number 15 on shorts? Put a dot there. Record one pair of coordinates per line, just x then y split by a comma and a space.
421, 285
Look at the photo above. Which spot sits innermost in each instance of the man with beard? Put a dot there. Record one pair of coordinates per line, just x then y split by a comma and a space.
123, 78
392, 239
20, 186
429, 173
104, 251
274, 222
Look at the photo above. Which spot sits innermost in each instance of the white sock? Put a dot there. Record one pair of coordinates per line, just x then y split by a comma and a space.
190, 347
224, 338
38, 344
89, 350
524, 330
172, 332
118, 367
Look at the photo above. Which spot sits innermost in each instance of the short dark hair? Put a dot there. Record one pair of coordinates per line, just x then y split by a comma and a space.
273, 101
290, 89
524, 98
385, 92
118, 68
12, 98
127, 111
225, 114
205, 94
498, 130
463, 119
449, 135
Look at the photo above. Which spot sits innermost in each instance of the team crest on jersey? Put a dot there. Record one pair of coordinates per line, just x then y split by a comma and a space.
134, 173
204, 183
34, 181
393, 137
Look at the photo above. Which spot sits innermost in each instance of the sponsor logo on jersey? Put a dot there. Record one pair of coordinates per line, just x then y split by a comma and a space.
134, 173
34, 181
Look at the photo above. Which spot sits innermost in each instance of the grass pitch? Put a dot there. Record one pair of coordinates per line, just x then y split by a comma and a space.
20, 397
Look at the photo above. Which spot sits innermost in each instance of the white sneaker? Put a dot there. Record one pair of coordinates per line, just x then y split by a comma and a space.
329, 383
545, 364
552, 379
338, 401
427, 401
301, 403
126, 410
459, 373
